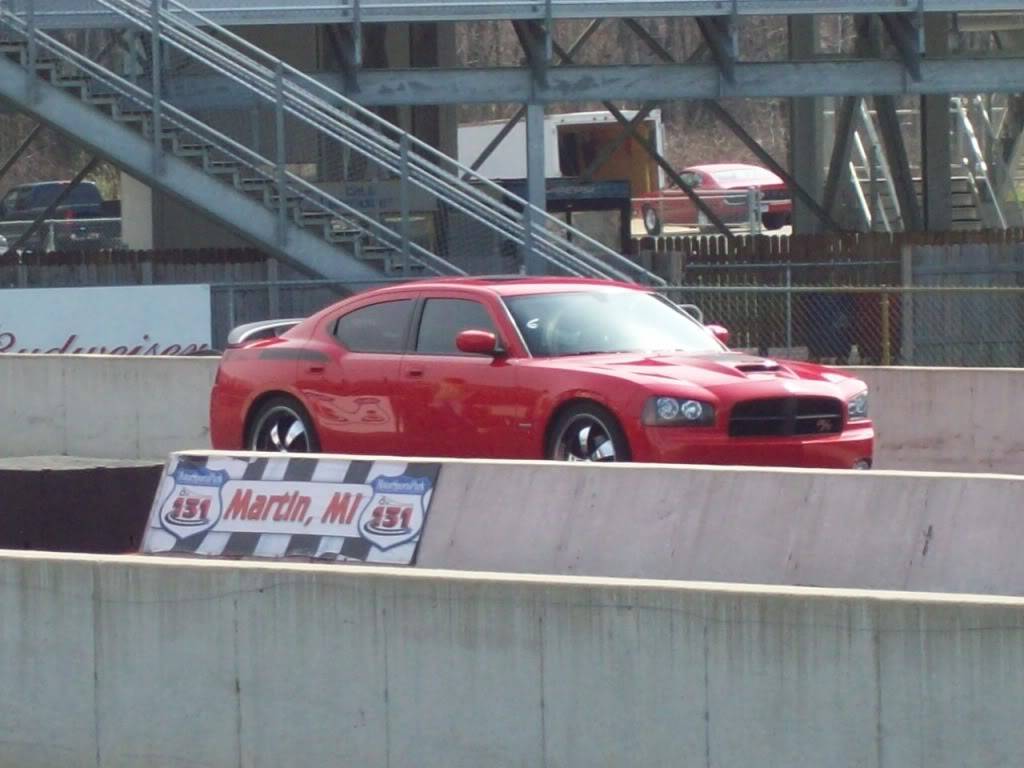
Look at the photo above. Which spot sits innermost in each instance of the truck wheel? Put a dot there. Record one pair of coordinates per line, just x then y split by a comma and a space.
651, 221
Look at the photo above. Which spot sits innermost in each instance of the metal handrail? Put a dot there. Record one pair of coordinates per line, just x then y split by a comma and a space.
426, 166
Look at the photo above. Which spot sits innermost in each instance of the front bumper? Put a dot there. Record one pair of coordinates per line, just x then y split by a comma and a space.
694, 446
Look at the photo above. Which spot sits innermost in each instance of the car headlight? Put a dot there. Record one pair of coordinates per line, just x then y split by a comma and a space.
678, 412
857, 407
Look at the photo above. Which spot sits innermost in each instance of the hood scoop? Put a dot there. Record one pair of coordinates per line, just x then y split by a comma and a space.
761, 366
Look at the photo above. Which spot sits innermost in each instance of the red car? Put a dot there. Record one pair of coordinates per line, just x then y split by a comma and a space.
723, 188
528, 368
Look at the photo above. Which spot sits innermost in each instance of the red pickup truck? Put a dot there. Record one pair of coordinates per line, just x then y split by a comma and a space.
723, 187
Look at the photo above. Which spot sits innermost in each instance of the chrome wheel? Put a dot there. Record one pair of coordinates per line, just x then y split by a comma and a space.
283, 429
585, 438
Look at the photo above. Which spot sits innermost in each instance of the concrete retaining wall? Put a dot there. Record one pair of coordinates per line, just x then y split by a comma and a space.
870, 530
123, 663
948, 419
105, 406
933, 419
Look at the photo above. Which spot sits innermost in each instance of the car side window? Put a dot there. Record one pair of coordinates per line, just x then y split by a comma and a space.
444, 319
375, 328
692, 180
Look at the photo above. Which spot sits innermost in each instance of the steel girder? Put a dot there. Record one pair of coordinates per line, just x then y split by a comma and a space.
70, 14
664, 82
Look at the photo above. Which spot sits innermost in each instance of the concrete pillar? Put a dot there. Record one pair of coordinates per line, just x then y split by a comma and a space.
937, 207
806, 138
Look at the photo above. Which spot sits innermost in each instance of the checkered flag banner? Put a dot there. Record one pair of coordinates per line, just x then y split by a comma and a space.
308, 507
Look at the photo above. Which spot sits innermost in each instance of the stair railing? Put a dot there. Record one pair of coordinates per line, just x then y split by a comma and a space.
339, 118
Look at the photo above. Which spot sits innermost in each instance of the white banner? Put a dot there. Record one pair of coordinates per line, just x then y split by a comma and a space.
121, 320
316, 508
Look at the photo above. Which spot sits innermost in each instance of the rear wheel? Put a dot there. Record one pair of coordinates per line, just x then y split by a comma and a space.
773, 220
282, 425
587, 432
651, 221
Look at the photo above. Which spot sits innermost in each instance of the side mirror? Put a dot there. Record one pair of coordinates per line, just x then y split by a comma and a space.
719, 332
477, 343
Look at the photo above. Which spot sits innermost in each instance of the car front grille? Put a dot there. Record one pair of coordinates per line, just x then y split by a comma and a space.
786, 417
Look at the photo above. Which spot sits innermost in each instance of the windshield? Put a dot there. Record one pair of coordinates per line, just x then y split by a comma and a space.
593, 322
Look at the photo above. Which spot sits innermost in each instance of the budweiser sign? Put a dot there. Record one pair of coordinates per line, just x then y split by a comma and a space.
129, 320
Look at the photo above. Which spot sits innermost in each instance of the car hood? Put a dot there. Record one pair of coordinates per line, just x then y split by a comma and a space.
706, 370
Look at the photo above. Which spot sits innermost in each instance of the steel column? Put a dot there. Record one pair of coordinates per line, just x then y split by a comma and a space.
805, 150
536, 185
936, 154
838, 167
507, 128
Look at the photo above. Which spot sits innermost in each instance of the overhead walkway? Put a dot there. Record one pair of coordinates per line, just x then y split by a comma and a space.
261, 190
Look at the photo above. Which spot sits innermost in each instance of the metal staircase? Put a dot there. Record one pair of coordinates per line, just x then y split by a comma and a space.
262, 195
985, 187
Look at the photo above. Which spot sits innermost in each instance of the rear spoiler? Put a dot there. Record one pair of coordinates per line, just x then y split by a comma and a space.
264, 329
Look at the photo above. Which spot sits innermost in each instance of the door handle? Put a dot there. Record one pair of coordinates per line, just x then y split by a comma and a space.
316, 369
414, 373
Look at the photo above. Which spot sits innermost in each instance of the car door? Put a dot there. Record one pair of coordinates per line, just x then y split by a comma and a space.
349, 379
459, 404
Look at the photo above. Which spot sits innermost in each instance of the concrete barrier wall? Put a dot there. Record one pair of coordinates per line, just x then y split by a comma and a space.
948, 419
125, 662
116, 407
871, 530
104, 406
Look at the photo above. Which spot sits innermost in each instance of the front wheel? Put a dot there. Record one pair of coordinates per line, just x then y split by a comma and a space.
587, 432
282, 425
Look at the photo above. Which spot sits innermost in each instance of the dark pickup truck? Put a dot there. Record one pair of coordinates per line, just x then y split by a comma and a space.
82, 220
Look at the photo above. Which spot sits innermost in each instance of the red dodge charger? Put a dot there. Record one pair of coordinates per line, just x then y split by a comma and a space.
529, 368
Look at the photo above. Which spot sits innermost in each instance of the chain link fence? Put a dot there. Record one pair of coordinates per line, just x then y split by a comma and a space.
869, 325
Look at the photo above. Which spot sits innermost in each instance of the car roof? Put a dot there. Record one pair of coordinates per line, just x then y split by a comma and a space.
752, 170
512, 285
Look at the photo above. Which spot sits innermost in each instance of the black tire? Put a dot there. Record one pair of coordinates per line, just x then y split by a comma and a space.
774, 220
652, 222
277, 415
587, 432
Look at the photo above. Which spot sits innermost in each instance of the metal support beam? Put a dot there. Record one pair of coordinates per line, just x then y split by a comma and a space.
346, 46
652, 150
724, 116
656, 82
535, 40
17, 153
720, 36
936, 125
580, 41
899, 163
611, 147
536, 185
676, 179
838, 166
805, 147
48, 211
76, 14
908, 37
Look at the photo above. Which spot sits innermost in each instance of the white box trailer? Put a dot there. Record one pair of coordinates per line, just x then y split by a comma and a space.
571, 142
